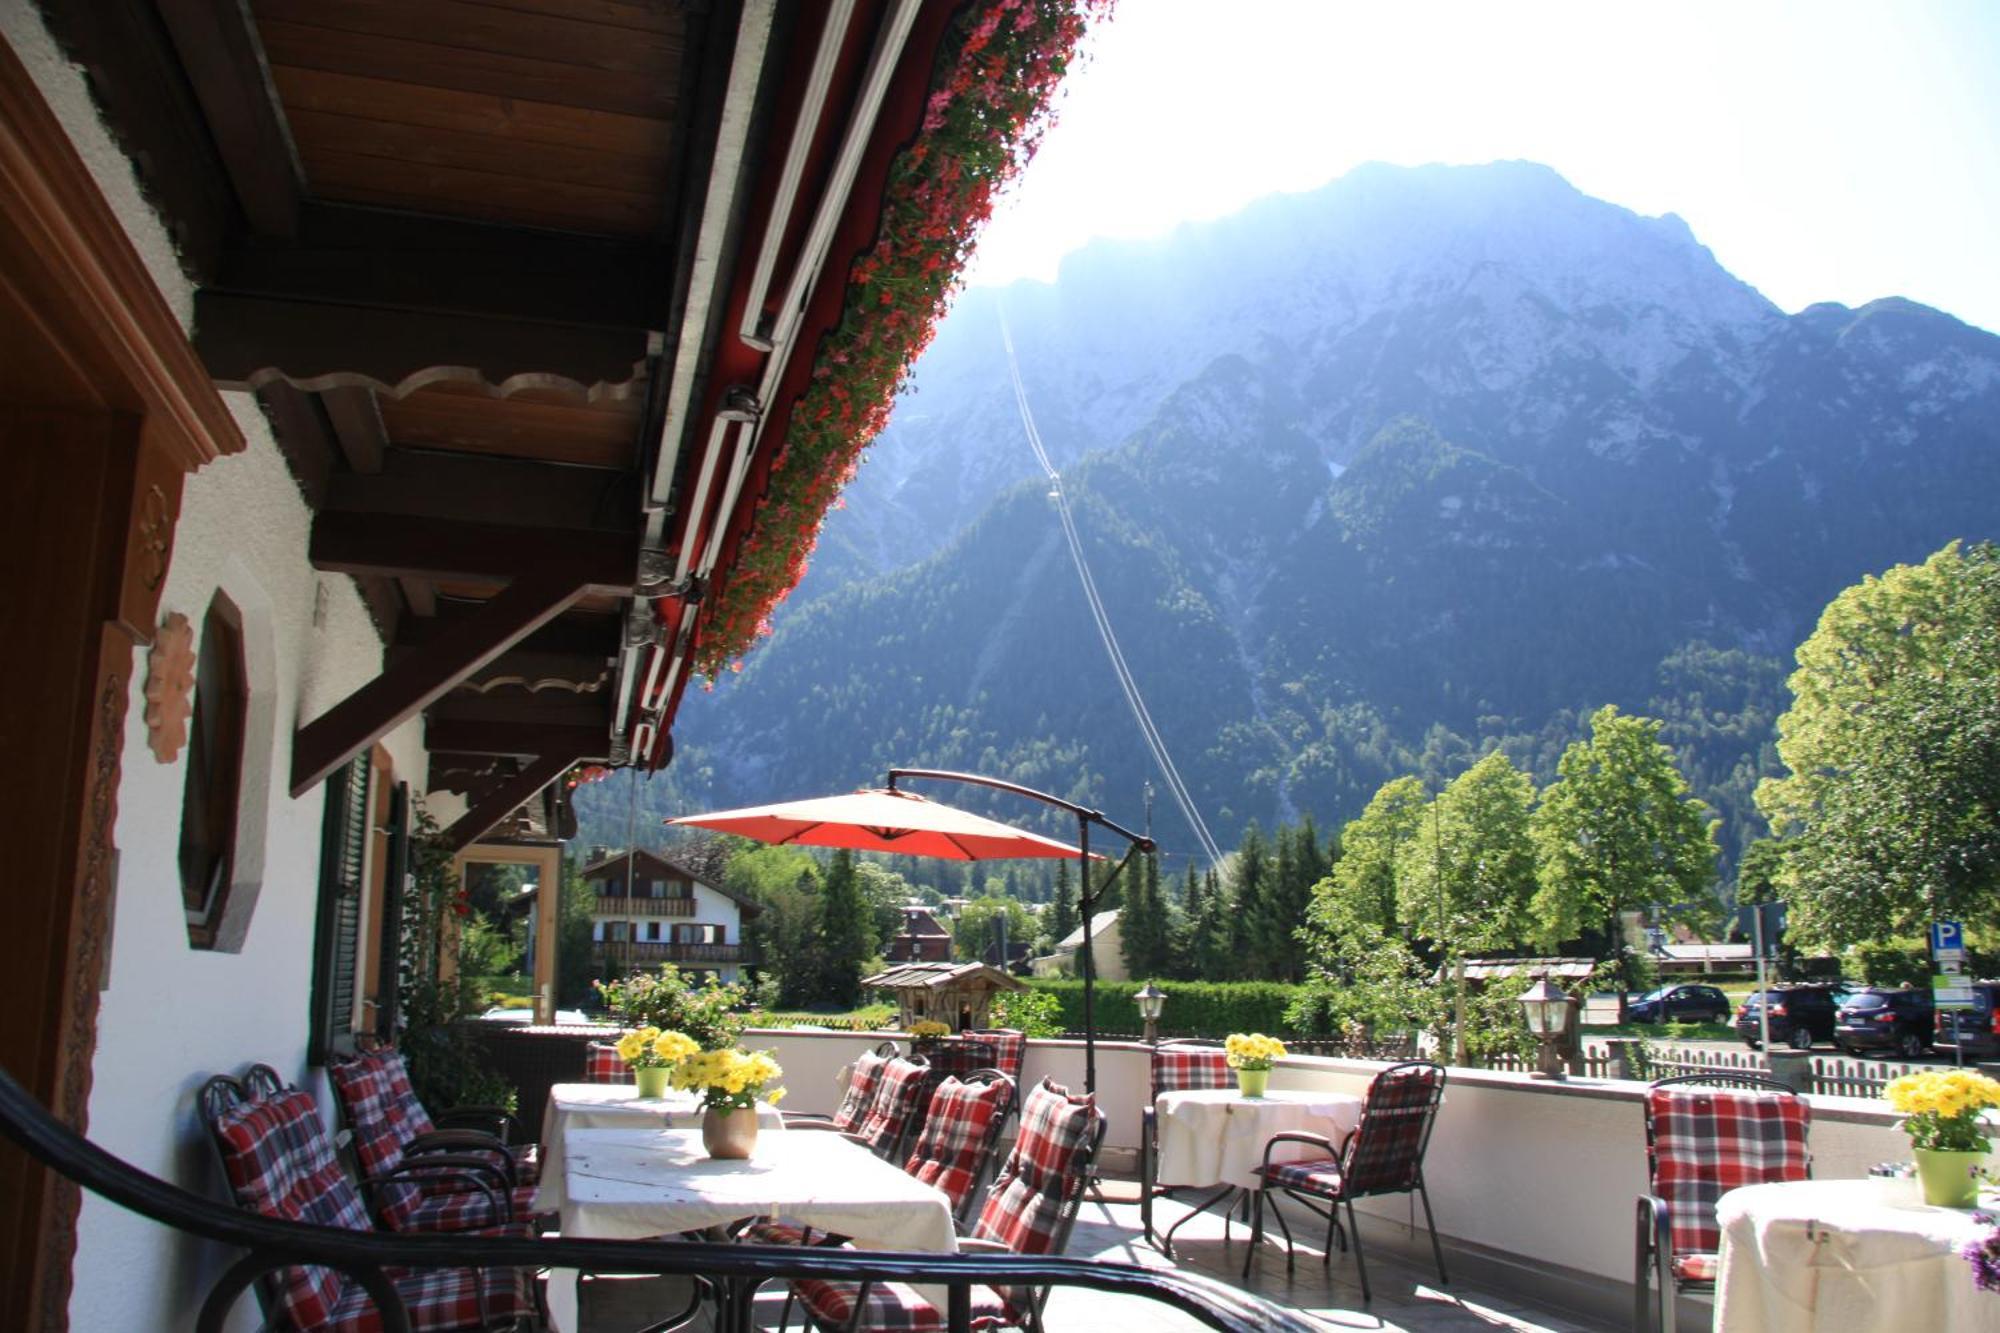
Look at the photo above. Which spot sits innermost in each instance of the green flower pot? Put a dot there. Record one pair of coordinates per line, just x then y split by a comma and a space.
1252, 1082
652, 1082
1947, 1176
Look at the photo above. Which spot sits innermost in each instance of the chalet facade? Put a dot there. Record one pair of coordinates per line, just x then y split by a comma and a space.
402, 411
650, 910
923, 939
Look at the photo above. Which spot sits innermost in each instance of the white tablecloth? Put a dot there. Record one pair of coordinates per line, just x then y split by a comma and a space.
1216, 1136
632, 1183
619, 1106
1830, 1256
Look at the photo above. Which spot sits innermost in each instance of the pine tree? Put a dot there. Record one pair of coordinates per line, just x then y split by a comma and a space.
846, 932
1215, 956
1143, 924
1185, 963
1062, 916
1249, 921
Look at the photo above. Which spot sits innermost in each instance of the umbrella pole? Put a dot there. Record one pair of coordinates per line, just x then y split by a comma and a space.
1086, 905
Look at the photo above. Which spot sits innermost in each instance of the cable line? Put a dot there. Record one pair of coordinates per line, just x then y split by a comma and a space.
1126, 683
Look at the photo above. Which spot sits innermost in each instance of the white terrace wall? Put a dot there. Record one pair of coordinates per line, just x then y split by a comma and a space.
172, 1015
1547, 1172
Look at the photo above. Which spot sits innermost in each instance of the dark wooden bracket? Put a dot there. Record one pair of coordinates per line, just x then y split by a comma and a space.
504, 799
470, 736
424, 676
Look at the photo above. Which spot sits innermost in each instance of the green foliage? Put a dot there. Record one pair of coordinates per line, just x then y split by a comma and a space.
1371, 847
846, 933
484, 949
1903, 962
674, 1003
1062, 917
1892, 806
976, 933
1466, 878
784, 881
1193, 1008
1145, 924
574, 982
1036, 1013
1617, 832
447, 1065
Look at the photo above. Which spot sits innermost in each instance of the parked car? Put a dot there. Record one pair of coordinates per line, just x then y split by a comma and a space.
1799, 1015
1973, 1033
1680, 1004
1883, 1019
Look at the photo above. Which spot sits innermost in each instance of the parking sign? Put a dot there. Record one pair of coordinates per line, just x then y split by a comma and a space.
1947, 939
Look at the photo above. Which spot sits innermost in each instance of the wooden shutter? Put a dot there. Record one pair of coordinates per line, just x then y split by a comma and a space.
336, 950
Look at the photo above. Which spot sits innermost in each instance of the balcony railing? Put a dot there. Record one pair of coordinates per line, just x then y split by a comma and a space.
619, 905
366, 1255
663, 951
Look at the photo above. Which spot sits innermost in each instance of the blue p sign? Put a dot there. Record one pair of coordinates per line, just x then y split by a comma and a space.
1947, 936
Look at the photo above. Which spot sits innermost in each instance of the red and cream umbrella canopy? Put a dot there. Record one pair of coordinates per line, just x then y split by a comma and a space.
883, 821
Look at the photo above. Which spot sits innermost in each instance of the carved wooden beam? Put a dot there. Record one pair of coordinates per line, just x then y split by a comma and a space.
503, 800
472, 736
346, 255
406, 688
580, 632
225, 66
247, 341
352, 543
480, 488
357, 425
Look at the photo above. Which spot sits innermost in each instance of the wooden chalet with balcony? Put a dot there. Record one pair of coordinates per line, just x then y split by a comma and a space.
650, 910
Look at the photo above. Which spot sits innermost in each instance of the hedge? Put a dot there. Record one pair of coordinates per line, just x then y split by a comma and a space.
1193, 1008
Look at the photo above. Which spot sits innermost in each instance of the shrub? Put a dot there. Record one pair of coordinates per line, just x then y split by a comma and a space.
1193, 1008
1036, 1013
672, 1003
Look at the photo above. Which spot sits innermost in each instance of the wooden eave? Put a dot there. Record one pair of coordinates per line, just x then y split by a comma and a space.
451, 245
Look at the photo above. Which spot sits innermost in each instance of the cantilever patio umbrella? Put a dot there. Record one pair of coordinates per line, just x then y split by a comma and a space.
888, 820
883, 821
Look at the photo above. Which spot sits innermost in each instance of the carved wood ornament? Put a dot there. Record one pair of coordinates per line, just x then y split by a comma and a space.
170, 688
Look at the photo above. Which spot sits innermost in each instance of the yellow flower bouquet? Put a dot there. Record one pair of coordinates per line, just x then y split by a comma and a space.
1252, 1050
929, 1027
730, 1079
650, 1048
1941, 1108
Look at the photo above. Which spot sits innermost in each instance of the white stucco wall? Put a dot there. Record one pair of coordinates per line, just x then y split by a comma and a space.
172, 1015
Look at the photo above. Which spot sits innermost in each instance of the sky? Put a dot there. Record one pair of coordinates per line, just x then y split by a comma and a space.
1824, 150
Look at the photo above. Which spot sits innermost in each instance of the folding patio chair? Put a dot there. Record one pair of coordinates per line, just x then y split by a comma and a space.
279, 1162
1706, 1134
903, 1083
1178, 1066
1010, 1047
391, 1129
1030, 1209
1384, 1154
863, 1080
601, 1064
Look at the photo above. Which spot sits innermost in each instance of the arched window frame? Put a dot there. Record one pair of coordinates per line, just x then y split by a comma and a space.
212, 791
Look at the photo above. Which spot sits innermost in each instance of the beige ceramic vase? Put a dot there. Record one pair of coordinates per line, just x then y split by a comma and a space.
729, 1134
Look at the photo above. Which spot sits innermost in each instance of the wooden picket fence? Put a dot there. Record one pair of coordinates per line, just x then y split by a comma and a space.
1832, 1075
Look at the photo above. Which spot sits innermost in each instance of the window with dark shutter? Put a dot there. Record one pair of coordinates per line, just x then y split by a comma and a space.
336, 951
211, 793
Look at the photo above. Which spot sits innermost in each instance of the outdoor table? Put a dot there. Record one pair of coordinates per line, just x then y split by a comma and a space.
1835, 1255
1216, 1136
619, 1106
633, 1183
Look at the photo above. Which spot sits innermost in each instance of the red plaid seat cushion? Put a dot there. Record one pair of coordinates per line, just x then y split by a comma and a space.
1707, 1141
902, 1088
962, 1055
1189, 1068
958, 1133
602, 1065
1010, 1047
1047, 1166
1315, 1175
462, 1210
279, 1162
382, 1108
895, 1306
439, 1299
862, 1082
773, 1232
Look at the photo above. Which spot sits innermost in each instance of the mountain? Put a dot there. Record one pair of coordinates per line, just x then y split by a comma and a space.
1367, 479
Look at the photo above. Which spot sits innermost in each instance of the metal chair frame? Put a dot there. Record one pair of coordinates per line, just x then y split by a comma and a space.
1653, 1276
1149, 1148
1350, 1148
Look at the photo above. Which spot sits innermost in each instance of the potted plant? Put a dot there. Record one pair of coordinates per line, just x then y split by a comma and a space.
729, 1083
651, 1055
670, 1002
1250, 1054
1941, 1114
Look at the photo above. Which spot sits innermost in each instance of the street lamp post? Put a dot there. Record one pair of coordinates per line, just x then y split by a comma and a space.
1548, 1013
1151, 1000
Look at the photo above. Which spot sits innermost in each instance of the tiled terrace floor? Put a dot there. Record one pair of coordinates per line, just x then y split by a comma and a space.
1406, 1297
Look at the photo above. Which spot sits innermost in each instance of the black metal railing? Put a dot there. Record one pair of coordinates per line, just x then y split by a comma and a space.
735, 1268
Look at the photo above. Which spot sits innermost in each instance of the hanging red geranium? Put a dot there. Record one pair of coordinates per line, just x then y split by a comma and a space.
986, 113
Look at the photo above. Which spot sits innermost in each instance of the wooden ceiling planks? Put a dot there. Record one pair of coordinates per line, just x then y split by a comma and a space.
557, 115
541, 424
